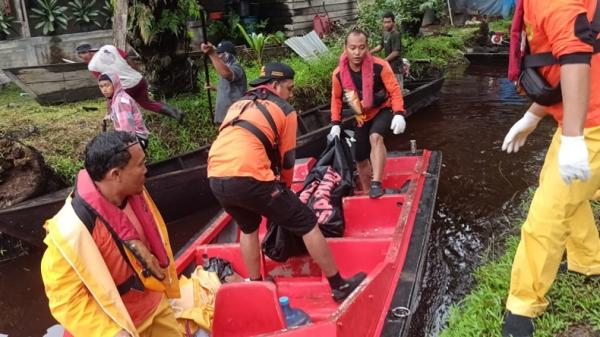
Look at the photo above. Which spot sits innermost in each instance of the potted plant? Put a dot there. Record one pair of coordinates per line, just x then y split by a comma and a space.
257, 42
51, 16
85, 14
106, 14
6, 26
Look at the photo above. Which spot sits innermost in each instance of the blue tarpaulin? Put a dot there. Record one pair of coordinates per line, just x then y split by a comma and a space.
484, 7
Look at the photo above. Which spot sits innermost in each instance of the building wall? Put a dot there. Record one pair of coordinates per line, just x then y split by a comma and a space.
296, 16
40, 50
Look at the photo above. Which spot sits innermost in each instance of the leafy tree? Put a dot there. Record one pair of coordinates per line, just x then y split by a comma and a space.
156, 28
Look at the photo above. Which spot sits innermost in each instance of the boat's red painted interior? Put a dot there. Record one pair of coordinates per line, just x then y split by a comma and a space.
371, 227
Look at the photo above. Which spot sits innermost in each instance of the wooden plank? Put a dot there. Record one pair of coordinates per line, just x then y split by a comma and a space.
34, 77
332, 15
46, 88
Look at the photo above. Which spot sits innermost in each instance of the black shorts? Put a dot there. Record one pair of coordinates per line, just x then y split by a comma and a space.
247, 199
380, 124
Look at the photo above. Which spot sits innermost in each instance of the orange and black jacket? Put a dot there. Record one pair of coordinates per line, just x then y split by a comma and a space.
386, 91
563, 28
239, 153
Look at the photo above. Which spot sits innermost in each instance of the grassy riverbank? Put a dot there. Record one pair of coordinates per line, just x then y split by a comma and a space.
575, 301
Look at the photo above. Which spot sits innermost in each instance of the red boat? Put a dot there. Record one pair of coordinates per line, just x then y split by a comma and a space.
386, 238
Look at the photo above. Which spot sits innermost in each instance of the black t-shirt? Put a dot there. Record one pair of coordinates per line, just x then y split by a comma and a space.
392, 41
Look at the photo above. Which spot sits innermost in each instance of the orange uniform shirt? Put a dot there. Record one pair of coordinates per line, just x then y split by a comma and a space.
140, 304
238, 153
553, 26
385, 79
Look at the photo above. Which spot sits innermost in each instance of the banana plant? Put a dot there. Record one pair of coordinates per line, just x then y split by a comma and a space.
51, 16
257, 42
84, 12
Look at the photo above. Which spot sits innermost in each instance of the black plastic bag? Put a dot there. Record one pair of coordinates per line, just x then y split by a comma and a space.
218, 265
324, 187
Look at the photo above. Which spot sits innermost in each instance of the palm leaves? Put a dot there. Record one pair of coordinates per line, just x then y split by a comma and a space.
51, 16
84, 12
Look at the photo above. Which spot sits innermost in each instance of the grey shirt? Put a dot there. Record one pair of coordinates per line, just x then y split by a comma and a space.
392, 41
230, 91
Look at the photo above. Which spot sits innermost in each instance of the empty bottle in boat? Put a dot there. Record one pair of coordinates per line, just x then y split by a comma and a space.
293, 316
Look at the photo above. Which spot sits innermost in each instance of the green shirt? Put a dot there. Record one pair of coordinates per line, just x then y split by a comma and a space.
392, 41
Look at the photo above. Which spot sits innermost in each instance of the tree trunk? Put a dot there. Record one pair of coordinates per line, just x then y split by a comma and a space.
120, 24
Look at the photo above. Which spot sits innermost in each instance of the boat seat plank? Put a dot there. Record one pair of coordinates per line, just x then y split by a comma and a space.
311, 294
369, 218
238, 315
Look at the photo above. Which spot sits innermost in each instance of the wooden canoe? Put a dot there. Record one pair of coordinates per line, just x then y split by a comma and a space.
56, 83
179, 185
387, 238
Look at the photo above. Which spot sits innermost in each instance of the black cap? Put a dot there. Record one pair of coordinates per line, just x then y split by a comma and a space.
226, 47
273, 71
84, 47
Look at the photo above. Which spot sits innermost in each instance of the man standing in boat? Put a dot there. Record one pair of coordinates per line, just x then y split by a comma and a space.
391, 43
560, 216
250, 166
232, 77
108, 268
110, 59
369, 86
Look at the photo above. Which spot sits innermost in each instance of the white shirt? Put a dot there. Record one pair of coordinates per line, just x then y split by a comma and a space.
108, 60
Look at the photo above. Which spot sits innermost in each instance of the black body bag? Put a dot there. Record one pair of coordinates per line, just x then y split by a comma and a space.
324, 187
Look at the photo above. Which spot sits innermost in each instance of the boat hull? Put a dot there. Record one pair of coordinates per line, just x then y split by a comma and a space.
387, 238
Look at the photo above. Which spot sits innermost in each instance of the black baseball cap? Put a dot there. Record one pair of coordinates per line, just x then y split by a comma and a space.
226, 47
273, 71
84, 47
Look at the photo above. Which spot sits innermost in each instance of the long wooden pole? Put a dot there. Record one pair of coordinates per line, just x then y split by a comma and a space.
206, 72
450, 13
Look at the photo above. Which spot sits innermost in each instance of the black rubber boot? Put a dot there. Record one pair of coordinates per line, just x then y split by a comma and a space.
172, 112
343, 291
376, 190
517, 326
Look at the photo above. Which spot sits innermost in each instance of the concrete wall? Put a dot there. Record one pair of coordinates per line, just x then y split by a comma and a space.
40, 50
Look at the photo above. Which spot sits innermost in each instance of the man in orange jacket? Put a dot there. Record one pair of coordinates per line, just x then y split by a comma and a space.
369, 86
108, 269
250, 166
560, 217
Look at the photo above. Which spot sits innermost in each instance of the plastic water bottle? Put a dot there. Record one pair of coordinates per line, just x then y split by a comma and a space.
293, 316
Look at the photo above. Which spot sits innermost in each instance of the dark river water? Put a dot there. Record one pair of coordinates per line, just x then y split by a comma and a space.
480, 192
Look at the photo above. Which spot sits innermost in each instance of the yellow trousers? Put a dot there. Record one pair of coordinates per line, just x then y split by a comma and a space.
560, 217
162, 322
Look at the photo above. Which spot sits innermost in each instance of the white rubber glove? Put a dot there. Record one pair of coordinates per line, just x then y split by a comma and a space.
335, 131
573, 159
517, 135
398, 124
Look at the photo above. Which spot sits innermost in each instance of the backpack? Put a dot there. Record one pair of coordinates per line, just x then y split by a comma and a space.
522, 66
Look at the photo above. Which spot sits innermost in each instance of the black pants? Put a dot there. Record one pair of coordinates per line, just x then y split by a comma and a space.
380, 124
247, 200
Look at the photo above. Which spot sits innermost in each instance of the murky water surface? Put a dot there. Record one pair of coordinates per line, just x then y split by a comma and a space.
480, 191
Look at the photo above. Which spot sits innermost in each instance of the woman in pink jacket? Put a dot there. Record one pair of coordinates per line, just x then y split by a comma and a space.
122, 109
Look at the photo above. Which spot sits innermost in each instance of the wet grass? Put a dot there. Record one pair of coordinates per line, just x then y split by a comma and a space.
61, 132
575, 299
